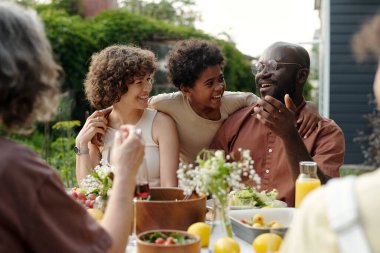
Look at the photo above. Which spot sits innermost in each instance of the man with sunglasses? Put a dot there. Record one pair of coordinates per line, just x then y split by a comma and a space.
269, 130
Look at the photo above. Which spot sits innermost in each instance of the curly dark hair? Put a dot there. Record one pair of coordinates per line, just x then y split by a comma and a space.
29, 76
189, 58
112, 69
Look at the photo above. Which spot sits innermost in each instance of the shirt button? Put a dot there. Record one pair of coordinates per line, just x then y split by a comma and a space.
270, 150
267, 171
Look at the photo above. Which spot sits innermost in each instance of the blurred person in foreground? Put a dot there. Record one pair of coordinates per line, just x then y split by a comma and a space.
36, 213
269, 127
343, 216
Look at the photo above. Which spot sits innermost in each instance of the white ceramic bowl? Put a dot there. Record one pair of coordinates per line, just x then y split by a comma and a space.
249, 233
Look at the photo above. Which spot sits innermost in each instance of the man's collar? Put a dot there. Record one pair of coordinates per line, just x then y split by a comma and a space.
300, 107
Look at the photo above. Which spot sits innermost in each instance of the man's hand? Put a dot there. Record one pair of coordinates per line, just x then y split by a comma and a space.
278, 117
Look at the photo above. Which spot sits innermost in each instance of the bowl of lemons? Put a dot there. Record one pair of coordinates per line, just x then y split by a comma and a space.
251, 223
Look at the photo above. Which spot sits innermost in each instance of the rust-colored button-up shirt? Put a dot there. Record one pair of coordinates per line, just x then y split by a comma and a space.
242, 130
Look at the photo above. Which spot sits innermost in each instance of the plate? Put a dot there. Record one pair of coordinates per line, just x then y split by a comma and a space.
280, 203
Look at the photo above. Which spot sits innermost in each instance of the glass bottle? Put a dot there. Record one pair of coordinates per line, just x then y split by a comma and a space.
306, 181
221, 224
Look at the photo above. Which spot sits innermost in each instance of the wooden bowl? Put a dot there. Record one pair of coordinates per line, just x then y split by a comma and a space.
167, 210
146, 247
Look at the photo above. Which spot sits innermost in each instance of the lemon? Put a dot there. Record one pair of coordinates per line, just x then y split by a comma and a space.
261, 243
226, 245
202, 230
97, 214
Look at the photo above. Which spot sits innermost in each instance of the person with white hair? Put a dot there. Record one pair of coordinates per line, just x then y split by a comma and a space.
36, 213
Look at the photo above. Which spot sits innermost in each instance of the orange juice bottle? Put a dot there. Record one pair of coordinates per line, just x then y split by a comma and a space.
306, 181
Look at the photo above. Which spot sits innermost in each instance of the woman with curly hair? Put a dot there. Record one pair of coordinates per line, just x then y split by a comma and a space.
201, 105
36, 213
120, 76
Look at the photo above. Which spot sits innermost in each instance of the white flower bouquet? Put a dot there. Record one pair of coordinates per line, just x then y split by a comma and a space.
216, 175
95, 189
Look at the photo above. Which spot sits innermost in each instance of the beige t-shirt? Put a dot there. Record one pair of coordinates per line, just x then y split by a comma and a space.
196, 133
311, 231
152, 153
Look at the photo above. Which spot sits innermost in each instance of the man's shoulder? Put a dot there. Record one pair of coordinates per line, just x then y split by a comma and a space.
329, 124
241, 113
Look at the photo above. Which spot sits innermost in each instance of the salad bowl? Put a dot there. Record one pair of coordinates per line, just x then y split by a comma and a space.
167, 209
168, 241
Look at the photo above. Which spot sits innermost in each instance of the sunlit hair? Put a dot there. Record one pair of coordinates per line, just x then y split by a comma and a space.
367, 40
112, 69
190, 58
29, 76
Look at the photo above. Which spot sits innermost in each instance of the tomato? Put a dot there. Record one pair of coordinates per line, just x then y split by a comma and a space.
91, 196
81, 196
159, 241
169, 241
74, 195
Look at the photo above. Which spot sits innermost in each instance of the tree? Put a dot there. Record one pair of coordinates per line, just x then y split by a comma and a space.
179, 12
25, 2
72, 7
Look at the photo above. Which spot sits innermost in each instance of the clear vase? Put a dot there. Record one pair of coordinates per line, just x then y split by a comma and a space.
221, 224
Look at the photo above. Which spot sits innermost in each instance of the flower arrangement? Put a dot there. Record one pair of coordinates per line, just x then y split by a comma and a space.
95, 189
216, 175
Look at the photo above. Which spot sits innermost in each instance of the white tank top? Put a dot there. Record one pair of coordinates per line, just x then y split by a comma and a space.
152, 155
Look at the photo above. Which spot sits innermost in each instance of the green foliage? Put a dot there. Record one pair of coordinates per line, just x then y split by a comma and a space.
120, 26
25, 2
62, 157
72, 7
370, 140
237, 70
177, 12
72, 44
35, 141
307, 88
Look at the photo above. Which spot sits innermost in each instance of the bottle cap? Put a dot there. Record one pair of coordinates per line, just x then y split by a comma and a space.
308, 167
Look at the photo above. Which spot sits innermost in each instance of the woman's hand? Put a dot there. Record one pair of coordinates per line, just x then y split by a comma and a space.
95, 124
309, 119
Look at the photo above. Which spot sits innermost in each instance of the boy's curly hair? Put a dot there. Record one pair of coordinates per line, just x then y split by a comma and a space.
112, 69
190, 58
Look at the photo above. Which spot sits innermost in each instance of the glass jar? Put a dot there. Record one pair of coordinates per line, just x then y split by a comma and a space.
306, 181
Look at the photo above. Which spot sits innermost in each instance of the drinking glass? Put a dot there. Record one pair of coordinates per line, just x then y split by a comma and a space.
141, 192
